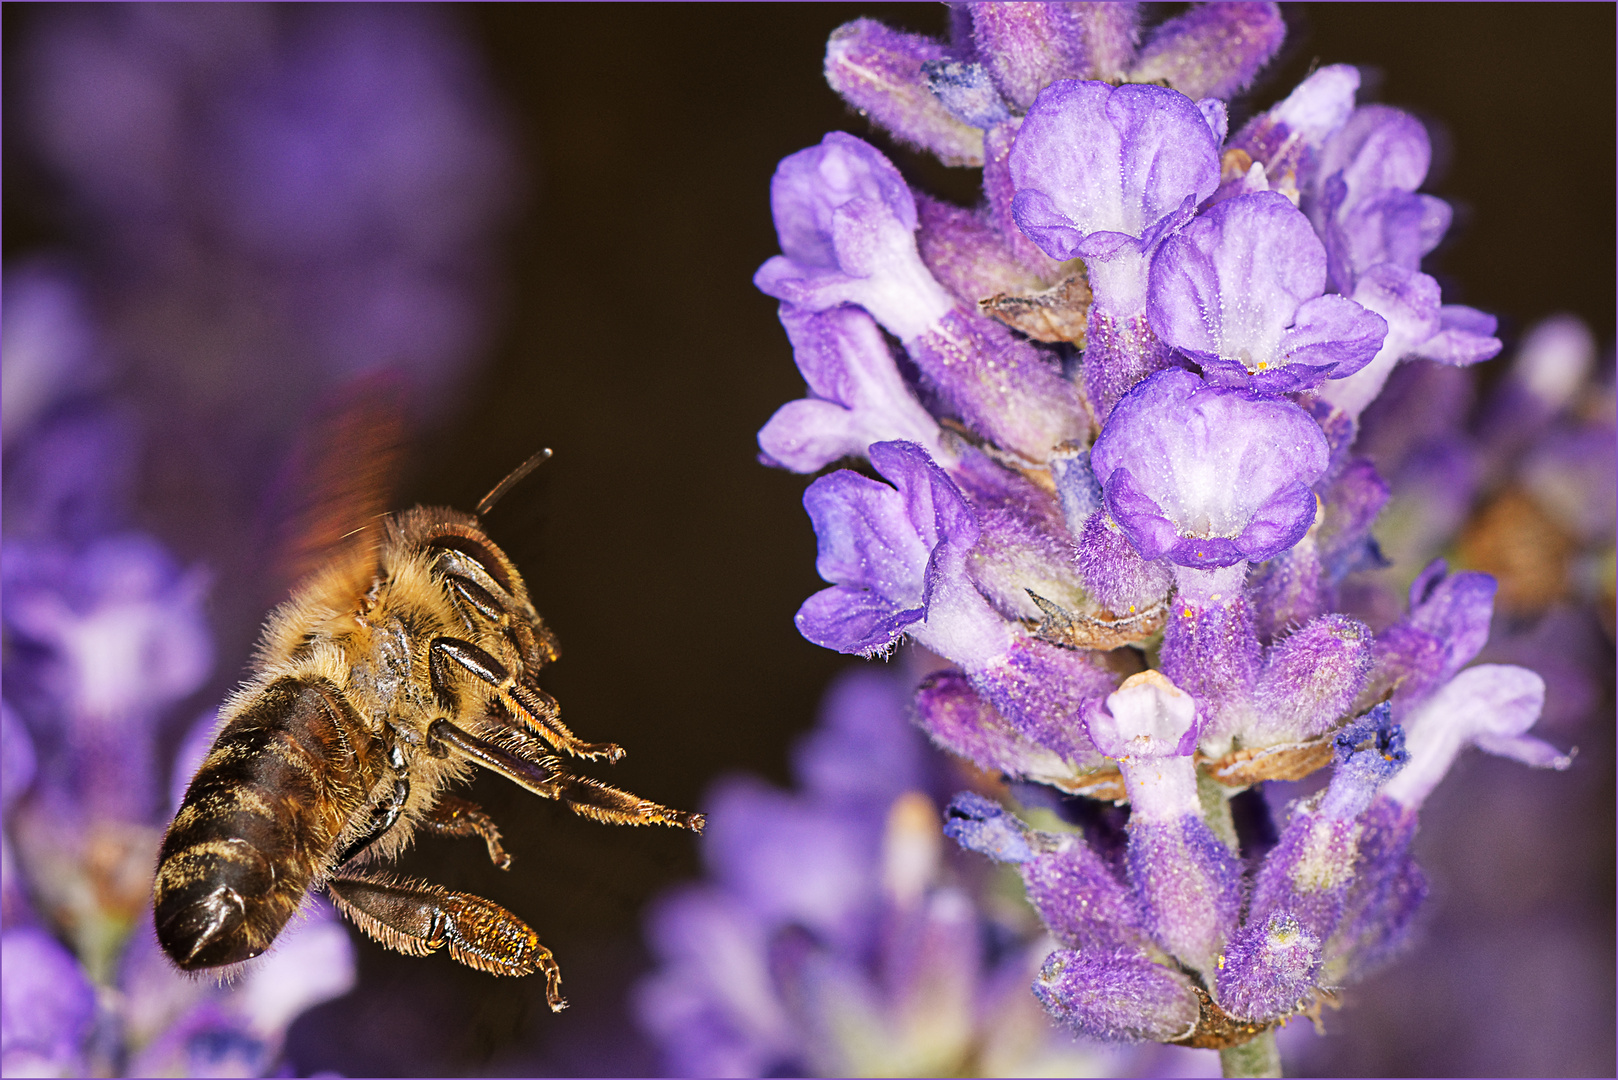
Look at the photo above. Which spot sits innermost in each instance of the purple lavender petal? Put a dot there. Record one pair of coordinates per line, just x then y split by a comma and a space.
869, 549
47, 1006
1138, 514
1116, 997
1286, 141
1213, 462
845, 218
1238, 290
1213, 50
858, 396
1454, 608
879, 72
1464, 336
1334, 335
1096, 166
1378, 153
1000, 191
1278, 524
1491, 706
1026, 47
1351, 505
1310, 680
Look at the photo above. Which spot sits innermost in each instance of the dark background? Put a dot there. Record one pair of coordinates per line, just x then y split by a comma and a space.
670, 563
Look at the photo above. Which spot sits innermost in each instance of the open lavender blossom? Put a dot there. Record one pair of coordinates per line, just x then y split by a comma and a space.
1150, 607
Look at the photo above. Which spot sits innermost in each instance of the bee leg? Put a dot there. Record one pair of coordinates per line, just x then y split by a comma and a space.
417, 918
455, 816
383, 815
538, 707
535, 643
544, 777
386, 812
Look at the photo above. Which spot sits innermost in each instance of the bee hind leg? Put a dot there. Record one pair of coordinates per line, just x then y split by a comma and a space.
455, 816
418, 918
544, 777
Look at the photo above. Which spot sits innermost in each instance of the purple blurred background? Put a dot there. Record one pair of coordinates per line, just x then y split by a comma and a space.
543, 221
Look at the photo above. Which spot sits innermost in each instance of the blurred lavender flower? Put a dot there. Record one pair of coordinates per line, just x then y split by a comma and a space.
275, 202
1154, 568
837, 937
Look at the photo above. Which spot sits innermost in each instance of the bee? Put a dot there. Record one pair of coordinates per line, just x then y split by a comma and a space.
395, 670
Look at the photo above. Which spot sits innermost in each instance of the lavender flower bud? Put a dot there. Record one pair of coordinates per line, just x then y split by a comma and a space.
880, 72
1121, 997
1213, 50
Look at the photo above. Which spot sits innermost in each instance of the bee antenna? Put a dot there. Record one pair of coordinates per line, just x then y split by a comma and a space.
486, 503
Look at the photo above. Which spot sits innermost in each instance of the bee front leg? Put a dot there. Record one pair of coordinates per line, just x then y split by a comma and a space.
455, 816
544, 777
538, 708
417, 918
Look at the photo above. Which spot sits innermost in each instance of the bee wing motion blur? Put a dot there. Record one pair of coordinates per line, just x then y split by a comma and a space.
395, 670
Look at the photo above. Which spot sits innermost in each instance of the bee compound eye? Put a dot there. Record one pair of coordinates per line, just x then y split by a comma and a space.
205, 931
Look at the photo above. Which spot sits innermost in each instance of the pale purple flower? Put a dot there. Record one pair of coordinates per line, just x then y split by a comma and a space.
1205, 476
846, 221
1239, 290
47, 1006
857, 396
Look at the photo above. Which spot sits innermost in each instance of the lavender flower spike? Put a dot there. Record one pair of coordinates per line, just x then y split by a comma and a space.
896, 558
1187, 880
1104, 173
857, 396
1239, 291
1206, 476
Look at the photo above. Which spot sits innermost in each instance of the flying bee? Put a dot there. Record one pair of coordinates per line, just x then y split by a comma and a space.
395, 670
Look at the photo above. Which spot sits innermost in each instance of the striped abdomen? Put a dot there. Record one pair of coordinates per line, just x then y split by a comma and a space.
259, 822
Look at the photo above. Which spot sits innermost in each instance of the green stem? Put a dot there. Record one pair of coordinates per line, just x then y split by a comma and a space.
1215, 800
1258, 1057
